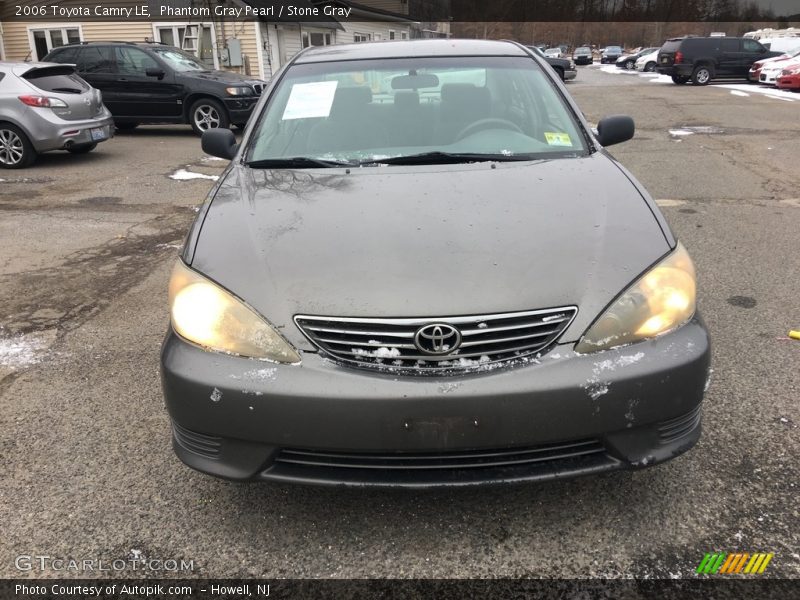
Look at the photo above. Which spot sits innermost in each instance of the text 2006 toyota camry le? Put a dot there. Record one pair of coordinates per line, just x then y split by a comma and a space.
422, 268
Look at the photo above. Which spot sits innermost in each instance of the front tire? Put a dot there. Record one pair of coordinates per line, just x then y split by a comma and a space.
16, 150
629, 65
82, 148
701, 75
207, 114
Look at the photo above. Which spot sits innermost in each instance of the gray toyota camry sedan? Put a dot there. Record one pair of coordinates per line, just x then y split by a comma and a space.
422, 268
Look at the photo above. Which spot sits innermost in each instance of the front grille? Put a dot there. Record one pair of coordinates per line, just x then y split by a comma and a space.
485, 340
674, 429
431, 461
207, 446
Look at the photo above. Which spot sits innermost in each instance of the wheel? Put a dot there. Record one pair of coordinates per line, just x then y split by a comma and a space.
679, 79
125, 126
701, 75
650, 67
82, 148
16, 150
207, 114
491, 123
560, 72
629, 65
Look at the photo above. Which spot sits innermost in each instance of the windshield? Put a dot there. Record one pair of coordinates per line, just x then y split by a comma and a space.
363, 111
611, 49
179, 60
582, 50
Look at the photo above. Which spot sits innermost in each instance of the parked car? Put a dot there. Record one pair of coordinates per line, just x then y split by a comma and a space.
647, 62
789, 78
771, 71
628, 61
155, 83
701, 59
583, 56
362, 298
553, 52
755, 71
563, 66
610, 54
44, 107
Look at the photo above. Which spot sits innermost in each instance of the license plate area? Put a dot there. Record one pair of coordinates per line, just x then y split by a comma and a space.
98, 134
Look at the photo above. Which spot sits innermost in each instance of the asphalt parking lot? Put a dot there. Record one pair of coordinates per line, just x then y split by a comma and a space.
88, 471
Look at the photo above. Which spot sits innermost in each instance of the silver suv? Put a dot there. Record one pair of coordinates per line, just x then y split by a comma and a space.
45, 106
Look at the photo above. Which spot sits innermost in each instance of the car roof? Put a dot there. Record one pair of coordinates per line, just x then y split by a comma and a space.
410, 49
27, 66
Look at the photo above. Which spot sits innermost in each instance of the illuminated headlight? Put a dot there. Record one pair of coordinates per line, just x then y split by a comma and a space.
209, 316
660, 301
239, 91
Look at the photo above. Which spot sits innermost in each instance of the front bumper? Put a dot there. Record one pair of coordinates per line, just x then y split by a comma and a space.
583, 60
789, 82
679, 70
323, 423
769, 77
240, 108
570, 74
47, 131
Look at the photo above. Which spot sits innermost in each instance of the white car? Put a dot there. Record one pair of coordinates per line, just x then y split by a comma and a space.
771, 71
647, 62
553, 52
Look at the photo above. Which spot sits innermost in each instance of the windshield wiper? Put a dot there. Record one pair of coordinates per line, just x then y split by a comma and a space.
298, 162
432, 158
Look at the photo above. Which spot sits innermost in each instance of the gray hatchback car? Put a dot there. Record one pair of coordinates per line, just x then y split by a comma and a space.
46, 106
422, 268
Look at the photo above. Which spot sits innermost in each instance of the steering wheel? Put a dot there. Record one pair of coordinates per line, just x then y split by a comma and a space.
491, 123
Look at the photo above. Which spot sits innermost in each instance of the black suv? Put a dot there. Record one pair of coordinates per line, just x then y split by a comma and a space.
702, 59
154, 83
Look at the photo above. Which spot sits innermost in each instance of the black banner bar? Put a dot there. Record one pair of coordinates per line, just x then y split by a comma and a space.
733, 587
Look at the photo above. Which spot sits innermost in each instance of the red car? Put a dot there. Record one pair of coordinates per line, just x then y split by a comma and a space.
755, 71
790, 78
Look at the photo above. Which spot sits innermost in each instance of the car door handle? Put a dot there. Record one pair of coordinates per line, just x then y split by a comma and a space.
122, 79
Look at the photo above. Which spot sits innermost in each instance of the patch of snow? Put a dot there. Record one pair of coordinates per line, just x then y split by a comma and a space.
178, 246
382, 352
784, 420
184, 175
261, 374
208, 158
771, 92
680, 132
670, 202
216, 395
483, 325
449, 387
739, 93
22, 350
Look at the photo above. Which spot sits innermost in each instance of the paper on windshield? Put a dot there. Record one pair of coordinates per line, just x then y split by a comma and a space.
309, 100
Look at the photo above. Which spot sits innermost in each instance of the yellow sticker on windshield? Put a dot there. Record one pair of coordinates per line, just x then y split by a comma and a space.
557, 139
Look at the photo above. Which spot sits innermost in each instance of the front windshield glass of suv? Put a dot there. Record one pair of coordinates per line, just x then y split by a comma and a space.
582, 50
460, 108
179, 60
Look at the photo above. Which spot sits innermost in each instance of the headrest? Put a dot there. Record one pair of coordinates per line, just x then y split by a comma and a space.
350, 99
406, 99
465, 95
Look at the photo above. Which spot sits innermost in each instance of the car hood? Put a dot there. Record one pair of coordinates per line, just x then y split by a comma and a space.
425, 241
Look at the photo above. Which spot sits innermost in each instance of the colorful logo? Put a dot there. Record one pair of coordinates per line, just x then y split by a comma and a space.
722, 562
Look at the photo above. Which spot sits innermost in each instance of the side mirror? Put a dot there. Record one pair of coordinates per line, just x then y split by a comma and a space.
615, 129
220, 143
154, 72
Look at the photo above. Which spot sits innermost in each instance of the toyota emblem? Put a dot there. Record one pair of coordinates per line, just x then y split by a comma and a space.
437, 339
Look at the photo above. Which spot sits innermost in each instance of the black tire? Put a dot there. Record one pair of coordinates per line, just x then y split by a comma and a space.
680, 79
16, 150
629, 65
126, 126
650, 67
81, 148
207, 113
701, 75
560, 72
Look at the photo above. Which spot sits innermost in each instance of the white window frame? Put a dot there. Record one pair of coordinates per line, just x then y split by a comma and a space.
392, 35
367, 37
47, 28
310, 30
175, 25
